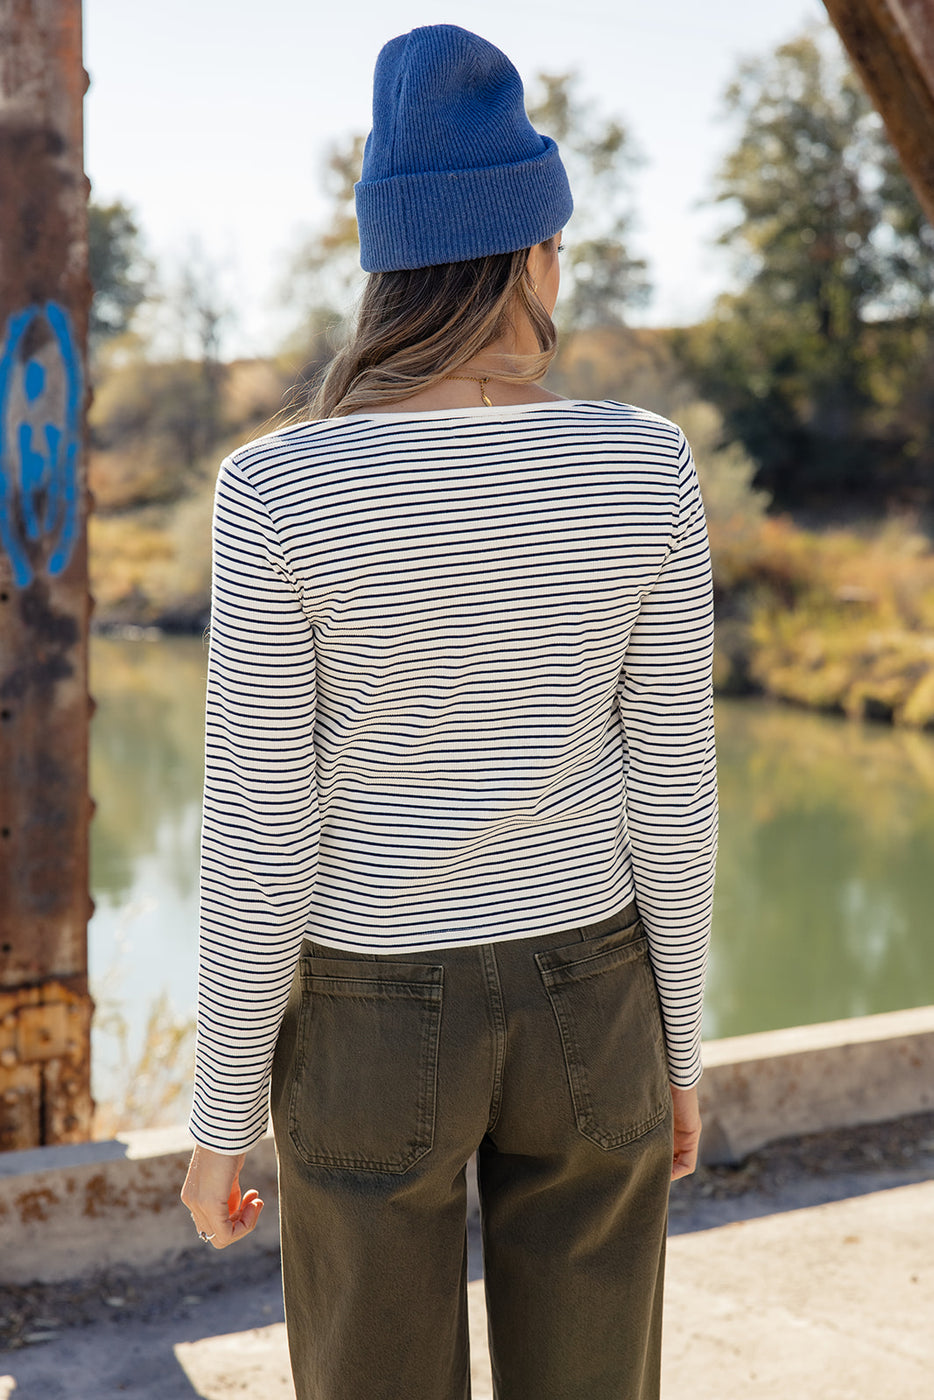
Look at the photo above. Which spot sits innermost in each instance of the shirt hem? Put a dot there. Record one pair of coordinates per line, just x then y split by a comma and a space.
434, 943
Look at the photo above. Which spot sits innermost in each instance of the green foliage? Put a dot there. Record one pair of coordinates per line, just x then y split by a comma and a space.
816, 361
120, 274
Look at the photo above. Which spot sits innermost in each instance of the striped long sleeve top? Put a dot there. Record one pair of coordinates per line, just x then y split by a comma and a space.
459, 689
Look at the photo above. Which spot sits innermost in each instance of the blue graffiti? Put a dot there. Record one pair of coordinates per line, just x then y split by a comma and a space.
41, 391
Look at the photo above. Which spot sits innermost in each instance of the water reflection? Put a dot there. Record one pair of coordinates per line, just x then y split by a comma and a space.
824, 889
146, 774
147, 755
825, 879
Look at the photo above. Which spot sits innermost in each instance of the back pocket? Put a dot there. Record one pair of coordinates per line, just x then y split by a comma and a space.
603, 995
366, 1063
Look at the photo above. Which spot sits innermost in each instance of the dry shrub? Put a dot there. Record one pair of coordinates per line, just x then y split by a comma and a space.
840, 620
153, 1087
633, 365
254, 392
124, 551
769, 556
724, 468
153, 566
180, 582
151, 427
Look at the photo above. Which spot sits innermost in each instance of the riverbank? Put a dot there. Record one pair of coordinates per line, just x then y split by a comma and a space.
839, 620
832, 617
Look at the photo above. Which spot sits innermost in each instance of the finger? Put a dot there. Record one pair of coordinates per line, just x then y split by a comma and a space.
210, 1221
683, 1164
238, 1229
218, 1232
252, 1198
226, 1231
214, 1211
250, 1217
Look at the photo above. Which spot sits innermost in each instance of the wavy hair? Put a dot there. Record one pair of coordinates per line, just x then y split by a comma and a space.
414, 327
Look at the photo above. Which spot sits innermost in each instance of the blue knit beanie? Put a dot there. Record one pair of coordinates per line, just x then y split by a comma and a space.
453, 168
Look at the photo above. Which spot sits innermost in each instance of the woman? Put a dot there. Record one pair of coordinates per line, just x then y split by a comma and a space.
460, 801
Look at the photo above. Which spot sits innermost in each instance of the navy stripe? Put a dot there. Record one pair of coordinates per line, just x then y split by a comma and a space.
458, 690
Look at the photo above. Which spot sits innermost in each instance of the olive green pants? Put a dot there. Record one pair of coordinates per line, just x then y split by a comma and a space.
546, 1056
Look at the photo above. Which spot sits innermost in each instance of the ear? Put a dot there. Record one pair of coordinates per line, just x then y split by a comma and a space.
537, 260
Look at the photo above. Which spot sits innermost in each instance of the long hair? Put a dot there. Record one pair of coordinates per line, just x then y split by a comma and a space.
414, 327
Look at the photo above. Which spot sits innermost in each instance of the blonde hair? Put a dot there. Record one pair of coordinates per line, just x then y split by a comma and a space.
414, 327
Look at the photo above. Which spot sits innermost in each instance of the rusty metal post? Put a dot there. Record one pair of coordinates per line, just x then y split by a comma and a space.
891, 44
45, 1009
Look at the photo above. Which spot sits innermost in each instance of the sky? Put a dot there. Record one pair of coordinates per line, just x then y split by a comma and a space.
212, 119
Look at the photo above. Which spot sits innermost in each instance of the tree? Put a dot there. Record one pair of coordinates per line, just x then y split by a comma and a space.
200, 309
119, 270
324, 273
160, 408
603, 278
201, 313
808, 358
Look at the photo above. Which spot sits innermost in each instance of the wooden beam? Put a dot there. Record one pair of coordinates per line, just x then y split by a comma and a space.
891, 45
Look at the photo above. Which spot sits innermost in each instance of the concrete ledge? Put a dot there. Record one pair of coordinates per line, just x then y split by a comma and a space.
68, 1212
71, 1212
757, 1089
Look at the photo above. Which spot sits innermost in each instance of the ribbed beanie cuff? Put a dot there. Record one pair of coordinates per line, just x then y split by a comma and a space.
453, 169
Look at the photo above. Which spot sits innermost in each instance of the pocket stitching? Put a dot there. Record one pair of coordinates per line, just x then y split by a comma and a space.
575, 1069
552, 966
428, 999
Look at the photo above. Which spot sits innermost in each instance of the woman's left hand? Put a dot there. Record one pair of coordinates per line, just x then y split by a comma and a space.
212, 1195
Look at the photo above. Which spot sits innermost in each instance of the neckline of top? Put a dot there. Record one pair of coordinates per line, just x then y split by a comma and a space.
473, 410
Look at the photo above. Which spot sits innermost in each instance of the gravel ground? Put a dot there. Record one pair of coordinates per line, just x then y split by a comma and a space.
789, 1175
807, 1171
41, 1312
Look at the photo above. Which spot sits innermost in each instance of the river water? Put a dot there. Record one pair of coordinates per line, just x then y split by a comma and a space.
825, 884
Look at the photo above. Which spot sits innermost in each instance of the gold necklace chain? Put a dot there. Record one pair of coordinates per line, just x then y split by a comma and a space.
474, 379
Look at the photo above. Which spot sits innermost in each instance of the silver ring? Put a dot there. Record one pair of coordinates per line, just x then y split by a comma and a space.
203, 1236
